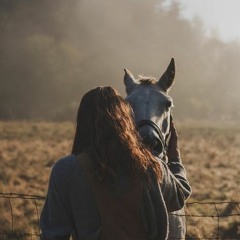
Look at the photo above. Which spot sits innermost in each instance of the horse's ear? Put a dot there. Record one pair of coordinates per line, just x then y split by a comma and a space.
166, 80
129, 81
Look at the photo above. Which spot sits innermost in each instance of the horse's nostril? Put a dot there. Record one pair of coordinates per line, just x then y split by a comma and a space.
154, 144
157, 148
148, 141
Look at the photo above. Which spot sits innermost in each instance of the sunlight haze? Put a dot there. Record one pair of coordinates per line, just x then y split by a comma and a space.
220, 18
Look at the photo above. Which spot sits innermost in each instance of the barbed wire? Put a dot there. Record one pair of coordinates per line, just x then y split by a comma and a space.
196, 227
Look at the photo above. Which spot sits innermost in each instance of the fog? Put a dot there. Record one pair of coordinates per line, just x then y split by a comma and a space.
52, 52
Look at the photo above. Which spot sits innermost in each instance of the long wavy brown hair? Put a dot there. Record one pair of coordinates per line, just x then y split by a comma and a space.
106, 131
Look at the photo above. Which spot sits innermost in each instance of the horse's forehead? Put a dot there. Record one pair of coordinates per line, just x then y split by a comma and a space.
148, 93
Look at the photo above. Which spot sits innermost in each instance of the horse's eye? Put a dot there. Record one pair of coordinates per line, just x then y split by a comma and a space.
169, 104
164, 125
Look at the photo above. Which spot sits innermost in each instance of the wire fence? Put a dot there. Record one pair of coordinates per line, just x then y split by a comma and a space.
19, 218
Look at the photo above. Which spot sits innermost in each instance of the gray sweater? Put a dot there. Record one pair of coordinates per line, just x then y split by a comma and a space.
70, 208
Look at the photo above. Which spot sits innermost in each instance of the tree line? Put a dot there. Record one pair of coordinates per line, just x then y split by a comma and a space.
52, 52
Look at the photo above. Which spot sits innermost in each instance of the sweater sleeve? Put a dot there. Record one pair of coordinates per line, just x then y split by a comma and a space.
175, 186
55, 222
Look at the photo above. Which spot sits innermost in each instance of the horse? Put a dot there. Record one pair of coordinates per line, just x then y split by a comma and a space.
152, 105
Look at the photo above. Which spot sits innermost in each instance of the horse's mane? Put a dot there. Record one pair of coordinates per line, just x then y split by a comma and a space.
146, 80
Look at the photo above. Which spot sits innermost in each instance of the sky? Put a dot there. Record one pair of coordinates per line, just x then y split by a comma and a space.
220, 17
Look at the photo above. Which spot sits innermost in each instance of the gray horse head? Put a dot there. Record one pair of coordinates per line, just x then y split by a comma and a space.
151, 106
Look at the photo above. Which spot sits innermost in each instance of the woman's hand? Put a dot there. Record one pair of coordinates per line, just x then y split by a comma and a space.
173, 152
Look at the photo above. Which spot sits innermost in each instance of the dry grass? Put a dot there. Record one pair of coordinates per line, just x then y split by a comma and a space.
211, 156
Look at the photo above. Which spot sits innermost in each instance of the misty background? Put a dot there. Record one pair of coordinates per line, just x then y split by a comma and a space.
52, 52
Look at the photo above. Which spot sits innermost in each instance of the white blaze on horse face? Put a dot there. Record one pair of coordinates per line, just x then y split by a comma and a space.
140, 99
150, 103
162, 111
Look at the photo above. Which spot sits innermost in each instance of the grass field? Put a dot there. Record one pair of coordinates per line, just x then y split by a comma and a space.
211, 156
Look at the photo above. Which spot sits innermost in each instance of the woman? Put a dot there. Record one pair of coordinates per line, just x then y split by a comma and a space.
112, 187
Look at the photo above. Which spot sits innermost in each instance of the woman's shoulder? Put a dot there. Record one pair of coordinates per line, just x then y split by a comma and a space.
69, 167
64, 166
65, 162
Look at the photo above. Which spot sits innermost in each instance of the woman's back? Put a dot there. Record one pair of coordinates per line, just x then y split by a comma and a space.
119, 209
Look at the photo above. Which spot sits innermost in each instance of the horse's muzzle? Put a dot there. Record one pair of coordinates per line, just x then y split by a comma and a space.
151, 140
